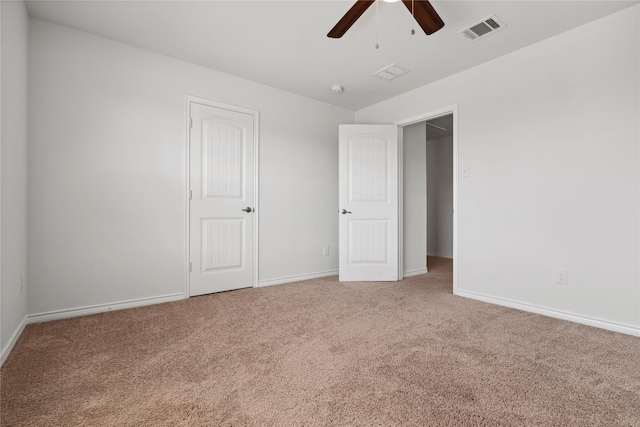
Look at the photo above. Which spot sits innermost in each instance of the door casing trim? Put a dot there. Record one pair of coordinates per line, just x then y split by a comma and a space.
189, 99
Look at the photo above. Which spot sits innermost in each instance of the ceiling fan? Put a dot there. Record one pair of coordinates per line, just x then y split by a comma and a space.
422, 11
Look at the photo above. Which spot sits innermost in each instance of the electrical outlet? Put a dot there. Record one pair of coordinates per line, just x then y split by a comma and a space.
561, 276
325, 250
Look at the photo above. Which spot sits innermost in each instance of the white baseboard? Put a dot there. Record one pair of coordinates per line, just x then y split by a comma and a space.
298, 278
598, 323
101, 308
12, 341
82, 311
439, 254
415, 272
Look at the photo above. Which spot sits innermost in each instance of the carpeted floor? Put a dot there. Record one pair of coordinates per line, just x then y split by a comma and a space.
323, 353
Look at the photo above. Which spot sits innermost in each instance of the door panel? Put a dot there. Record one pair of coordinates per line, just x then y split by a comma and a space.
368, 241
368, 158
223, 155
369, 226
221, 244
222, 186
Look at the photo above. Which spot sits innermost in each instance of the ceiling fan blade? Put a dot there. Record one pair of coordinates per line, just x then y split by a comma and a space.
349, 18
425, 15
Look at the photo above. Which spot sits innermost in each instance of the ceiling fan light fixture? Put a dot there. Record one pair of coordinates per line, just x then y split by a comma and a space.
391, 1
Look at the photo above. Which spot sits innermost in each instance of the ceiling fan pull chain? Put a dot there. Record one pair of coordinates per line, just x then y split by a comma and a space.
377, 24
413, 15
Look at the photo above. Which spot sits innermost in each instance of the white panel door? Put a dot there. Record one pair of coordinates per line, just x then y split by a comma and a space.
222, 209
368, 194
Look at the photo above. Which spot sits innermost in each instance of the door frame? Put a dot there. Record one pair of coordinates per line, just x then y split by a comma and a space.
452, 109
189, 99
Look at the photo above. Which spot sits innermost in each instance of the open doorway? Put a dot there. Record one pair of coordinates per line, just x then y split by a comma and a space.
439, 162
430, 190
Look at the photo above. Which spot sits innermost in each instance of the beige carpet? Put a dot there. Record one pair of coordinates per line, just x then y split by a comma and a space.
320, 353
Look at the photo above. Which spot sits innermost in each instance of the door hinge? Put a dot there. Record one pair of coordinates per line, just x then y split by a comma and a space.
190, 266
190, 122
190, 195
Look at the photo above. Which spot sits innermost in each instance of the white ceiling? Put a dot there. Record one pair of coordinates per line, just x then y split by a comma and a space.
283, 43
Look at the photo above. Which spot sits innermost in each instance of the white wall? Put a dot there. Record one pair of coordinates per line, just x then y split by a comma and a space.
440, 197
107, 171
415, 199
13, 113
550, 135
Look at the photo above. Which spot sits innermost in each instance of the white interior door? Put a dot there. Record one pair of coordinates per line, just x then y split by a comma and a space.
369, 225
222, 219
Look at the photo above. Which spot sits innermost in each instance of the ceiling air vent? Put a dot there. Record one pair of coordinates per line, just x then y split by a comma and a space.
483, 28
390, 72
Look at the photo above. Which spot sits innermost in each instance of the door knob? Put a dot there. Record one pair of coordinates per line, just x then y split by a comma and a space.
344, 211
248, 210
